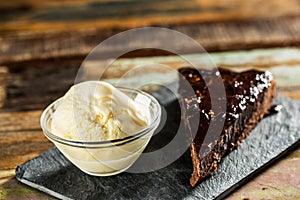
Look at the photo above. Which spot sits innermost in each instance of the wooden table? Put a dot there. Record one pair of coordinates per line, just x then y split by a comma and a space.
22, 138
43, 43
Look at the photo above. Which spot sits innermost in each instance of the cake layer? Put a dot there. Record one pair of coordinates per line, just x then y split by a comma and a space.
249, 96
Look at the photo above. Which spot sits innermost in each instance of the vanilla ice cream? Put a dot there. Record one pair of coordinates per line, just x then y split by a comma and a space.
97, 111
85, 123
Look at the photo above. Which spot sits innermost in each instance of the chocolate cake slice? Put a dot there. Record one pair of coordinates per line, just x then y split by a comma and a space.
248, 96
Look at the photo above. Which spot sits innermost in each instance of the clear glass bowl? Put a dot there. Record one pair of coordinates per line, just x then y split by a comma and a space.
105, 158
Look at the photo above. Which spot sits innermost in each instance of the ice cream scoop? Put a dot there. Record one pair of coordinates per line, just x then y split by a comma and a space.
99, 128
97, 111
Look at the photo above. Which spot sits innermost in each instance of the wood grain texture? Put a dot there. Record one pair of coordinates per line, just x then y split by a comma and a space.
216, 36
32, 30
278, 182
3, 79
36, 85
29, 15
10, 188
21, 138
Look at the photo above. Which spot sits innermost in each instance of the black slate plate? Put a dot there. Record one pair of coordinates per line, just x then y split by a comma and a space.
275, 135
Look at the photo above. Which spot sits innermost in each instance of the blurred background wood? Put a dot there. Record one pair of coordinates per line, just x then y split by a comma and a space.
30, 15
34, 30
42, 44
3, 78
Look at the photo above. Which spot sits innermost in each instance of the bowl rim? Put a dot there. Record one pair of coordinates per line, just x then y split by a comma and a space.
114, 142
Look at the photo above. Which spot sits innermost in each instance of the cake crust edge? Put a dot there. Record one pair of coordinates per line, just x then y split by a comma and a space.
262, 108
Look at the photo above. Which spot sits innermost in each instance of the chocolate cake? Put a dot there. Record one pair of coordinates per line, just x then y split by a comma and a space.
247, 98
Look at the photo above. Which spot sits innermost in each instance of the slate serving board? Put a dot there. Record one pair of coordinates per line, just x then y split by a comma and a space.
274, 136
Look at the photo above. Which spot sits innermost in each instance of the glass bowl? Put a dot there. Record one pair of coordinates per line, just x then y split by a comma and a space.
110, 157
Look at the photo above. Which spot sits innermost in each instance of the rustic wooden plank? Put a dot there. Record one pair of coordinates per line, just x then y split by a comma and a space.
6, 175
35, 86
3, 79
30, 15
32, 88
21, 138
12, 189
19, 121
218, 36
15, 152
281, 181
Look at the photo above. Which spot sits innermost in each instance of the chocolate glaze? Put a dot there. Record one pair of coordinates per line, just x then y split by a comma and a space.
273, 110
249, 96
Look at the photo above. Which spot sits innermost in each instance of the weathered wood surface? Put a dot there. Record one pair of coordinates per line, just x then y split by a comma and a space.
216, 36
29, 15
31, 30
30, 89
281, 181
35, 86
